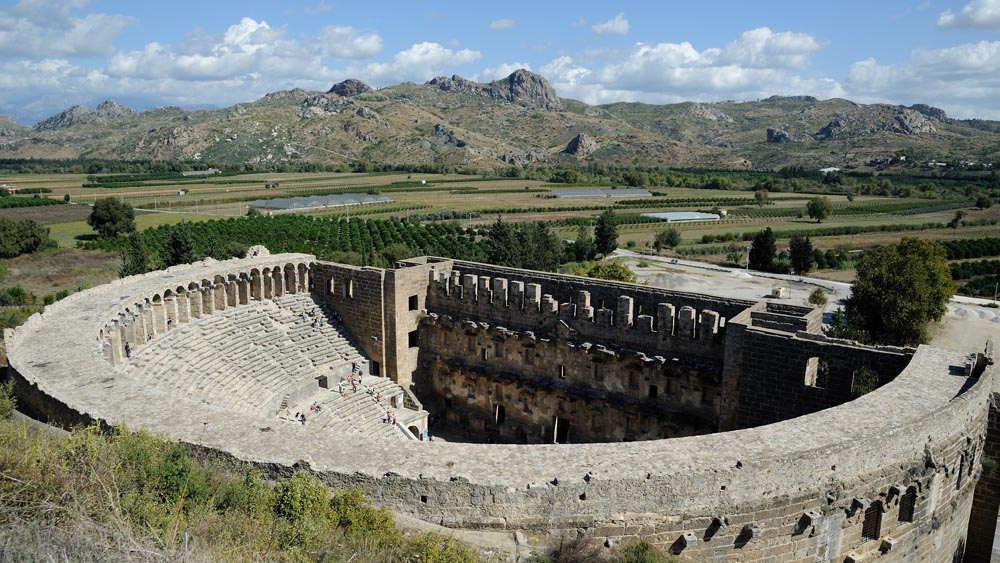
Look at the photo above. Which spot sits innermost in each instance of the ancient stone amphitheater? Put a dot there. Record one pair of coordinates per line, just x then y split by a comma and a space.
719, 429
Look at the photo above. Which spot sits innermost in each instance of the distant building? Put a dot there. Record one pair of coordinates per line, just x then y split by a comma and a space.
829, 170
208, 172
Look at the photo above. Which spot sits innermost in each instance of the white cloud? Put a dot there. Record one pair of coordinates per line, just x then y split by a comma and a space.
617, 25
345, 42
578, 22
977, 14
419, 63
762, 48
50, 28
758, 64
246, 48
502, 24
502, 70
320, 8
964, 80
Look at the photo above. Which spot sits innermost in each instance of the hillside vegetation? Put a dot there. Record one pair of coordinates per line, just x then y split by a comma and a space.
517, 121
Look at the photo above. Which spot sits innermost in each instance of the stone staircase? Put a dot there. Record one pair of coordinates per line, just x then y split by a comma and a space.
358, 411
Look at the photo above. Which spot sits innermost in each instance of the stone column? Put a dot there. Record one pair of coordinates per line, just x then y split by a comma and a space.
183, 308
194, 300
623, 317
243, 291
207, 300
500, 291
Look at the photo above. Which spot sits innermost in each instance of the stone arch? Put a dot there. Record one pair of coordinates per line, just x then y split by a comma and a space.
159, 316
170, 309
267, 279
304, 278
278, 281
207, 297
232, 290
243, 288
256, 284
219, 293
194, 300
291, 283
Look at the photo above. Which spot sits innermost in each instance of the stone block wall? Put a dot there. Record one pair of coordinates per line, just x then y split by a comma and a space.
635, 318
358, 295
507, 386
405, 300
782, 376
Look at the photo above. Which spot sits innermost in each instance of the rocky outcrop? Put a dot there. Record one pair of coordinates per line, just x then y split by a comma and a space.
110, 109
349, 87
777, 136
876, 118
320, 105
526, 89
521, 87
446, 137
930, 111
707, 112
582, 146
68, 118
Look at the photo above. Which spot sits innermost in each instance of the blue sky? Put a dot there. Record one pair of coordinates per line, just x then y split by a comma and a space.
55, 53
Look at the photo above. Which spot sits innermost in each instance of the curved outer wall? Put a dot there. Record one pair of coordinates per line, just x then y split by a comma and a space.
797, 490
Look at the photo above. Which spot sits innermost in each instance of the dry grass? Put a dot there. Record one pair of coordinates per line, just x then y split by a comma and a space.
64, 268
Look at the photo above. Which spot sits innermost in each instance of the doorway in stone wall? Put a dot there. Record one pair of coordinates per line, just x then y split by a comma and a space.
560, 430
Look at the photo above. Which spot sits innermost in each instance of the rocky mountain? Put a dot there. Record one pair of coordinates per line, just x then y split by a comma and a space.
349, 87
518, 120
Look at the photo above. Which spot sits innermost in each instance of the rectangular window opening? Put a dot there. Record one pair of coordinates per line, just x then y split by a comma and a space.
812, 372
499, 414
907, 504
332, 287
411, 339
349, 289
872, 526
374, 368
413, 303
653, 391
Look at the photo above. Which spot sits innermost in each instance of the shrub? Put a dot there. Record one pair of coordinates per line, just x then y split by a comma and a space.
818, 297
642, 552
7, 401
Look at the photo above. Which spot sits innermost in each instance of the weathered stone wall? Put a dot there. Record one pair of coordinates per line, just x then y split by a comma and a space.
358, 295
783, 376
636, 319
601, 395
983, 517
405, 300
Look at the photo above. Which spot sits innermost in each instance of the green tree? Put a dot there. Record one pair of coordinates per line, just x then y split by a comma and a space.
606, 232
761, 197
136, 258
611, 270
502, 246
584, 248
899, 289
800, 251
819, 208
957, 219
667, 238
541, 249
111, 217
983, 201
180, 245
762, 250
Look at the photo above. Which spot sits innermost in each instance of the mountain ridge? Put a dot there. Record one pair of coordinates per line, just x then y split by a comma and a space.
517, 120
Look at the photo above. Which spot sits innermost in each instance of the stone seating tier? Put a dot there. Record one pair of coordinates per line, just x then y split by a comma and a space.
247, 358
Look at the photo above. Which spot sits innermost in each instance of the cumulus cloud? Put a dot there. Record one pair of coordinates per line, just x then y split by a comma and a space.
502, 24
617, 25
758, 64
977, 14
345, 42
419, 63
964, 80
499, 71
52, 28
248, 47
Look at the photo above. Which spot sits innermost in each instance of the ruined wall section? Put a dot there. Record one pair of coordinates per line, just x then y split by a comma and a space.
625, 316
357, 295
782, 376
406, 291
508, 386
